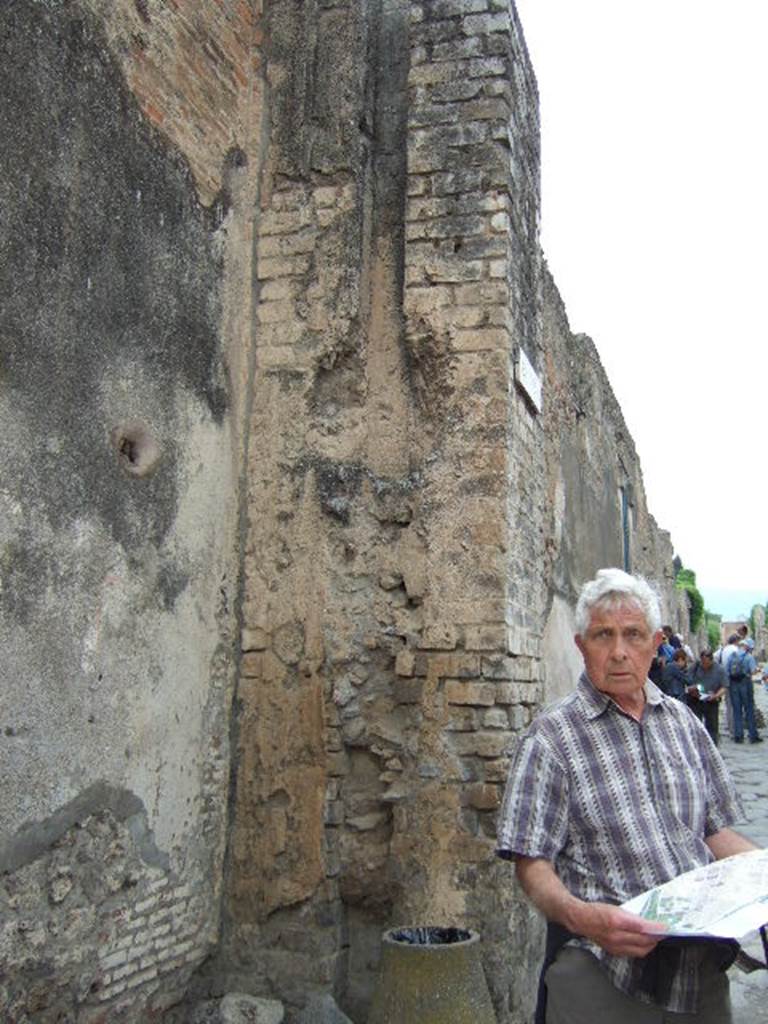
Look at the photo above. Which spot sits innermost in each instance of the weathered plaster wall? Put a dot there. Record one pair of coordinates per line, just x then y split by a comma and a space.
123, 352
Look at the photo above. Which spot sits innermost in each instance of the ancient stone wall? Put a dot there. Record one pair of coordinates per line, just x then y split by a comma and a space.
277, 325
761, 633
595, 506
387, 657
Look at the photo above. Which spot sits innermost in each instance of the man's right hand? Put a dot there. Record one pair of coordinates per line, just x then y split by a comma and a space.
615, 930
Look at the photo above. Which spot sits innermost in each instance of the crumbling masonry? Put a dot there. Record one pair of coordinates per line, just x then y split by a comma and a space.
302, 468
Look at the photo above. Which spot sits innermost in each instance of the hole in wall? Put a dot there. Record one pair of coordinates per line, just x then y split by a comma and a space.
430, 936
137, 450
236, 158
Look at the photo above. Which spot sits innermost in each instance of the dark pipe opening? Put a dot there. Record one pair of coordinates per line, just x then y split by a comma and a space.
430, 936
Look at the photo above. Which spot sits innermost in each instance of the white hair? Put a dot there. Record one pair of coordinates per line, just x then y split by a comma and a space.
612, 589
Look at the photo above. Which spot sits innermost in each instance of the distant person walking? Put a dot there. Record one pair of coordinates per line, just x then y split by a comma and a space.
741, 665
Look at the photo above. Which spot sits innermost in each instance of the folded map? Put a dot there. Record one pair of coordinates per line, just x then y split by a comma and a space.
726, 899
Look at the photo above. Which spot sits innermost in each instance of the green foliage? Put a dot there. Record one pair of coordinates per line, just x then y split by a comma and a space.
713, 632
686, 580
696, 604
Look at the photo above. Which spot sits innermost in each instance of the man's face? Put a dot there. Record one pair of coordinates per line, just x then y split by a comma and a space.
618, 648
706, 662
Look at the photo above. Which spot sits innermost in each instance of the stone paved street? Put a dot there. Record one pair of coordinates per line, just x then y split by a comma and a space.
749, 766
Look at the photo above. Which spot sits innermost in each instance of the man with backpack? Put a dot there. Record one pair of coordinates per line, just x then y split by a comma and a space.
741, 665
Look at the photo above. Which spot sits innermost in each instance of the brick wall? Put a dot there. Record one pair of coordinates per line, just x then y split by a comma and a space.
118, 933
303, 573
195, 71
471, 293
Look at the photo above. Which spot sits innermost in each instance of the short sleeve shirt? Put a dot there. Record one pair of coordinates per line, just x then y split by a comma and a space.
710, 680
618, 806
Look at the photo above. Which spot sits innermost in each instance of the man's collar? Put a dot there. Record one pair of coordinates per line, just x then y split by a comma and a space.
594, 702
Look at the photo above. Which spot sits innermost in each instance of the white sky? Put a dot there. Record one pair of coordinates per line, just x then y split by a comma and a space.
654, 225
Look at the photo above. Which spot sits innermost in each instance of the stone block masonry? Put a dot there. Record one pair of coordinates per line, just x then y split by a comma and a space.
472, 290
383, 664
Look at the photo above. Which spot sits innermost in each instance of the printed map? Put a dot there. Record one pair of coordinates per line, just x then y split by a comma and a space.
725, 899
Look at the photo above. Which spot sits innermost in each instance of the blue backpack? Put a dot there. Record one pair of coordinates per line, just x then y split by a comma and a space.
736, 665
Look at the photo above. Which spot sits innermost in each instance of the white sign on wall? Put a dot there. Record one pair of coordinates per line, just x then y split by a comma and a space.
528, 380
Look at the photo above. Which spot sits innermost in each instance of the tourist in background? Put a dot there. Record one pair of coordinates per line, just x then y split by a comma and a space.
741, 667
663, 656
667, 647
688, 652
674, 678
709, 684
723, 657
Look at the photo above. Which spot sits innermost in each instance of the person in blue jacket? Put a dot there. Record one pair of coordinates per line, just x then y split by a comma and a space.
674, 677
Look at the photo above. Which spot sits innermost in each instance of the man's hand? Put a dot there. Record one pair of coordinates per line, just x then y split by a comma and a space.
616, 930
726, 843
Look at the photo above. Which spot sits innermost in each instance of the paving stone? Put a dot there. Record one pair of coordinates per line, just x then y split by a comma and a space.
237, 1008
322, 1010
748, 764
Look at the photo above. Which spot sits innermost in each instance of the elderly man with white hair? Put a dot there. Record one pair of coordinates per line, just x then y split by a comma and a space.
613, 790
